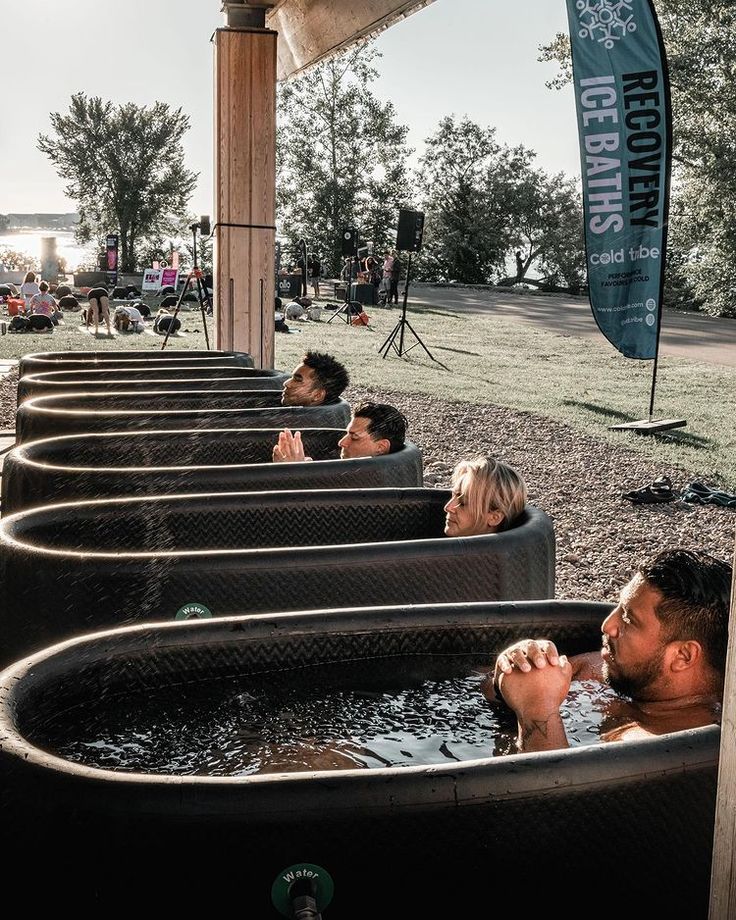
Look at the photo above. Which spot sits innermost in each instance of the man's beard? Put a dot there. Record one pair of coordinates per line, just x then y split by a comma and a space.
635, 682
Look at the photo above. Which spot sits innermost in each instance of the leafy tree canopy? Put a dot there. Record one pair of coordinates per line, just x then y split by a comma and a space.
484, 200
124, 167
341, 157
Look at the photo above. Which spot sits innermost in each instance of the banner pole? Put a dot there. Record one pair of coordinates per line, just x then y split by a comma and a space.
654, 382
622, 96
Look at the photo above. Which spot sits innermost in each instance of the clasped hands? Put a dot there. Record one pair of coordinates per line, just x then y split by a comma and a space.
531, 677
289, 448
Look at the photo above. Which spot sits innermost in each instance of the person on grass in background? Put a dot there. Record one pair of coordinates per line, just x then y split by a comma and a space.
388, 267
396, 266
375, 429
29, 289
44, 304
166, 322
128, 319
663, 652
99, 307
298, 307
315, 272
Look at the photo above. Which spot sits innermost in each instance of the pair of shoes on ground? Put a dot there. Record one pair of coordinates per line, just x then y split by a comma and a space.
656, 492
697, 493
700, 494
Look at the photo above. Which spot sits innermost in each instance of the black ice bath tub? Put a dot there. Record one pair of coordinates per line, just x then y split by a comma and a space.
47, 416
152, 358
73, 568
74, 467
192, 376
439, 840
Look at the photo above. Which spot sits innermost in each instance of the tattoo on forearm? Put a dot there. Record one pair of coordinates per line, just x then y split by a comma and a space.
535, 727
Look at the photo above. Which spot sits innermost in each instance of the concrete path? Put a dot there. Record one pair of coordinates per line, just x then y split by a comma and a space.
683, 335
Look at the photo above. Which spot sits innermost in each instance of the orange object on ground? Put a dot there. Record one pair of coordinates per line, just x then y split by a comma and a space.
16, 305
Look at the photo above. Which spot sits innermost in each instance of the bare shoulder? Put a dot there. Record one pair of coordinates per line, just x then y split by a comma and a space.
588, 666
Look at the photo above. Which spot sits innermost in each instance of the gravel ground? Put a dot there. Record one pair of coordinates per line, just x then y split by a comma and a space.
8, 389
578, 481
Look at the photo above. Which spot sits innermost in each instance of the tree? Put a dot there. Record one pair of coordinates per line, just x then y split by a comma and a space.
340, 158
466, 176
700, 39
547, 227
15, 261
484, 200
163, 247
124, 167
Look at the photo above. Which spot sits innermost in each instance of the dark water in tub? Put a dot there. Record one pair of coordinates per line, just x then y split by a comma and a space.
405, 711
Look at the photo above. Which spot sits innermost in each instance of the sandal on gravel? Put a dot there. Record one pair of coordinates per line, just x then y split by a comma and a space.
658, 491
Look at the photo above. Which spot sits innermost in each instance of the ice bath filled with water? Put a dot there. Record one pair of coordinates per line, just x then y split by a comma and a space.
389, 712
167, 746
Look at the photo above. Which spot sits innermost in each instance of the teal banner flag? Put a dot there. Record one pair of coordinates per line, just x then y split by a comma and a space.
623, 107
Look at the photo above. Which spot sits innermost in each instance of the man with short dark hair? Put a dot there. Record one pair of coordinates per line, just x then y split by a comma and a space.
374, 429
319, 379
664, 651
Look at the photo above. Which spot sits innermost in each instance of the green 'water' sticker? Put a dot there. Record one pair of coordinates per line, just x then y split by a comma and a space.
322, 885
193, 611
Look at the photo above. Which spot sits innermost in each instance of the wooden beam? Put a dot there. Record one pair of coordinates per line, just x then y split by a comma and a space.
723, 872
310, 30
245, 191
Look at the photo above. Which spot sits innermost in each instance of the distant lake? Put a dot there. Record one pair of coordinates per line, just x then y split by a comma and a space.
29, 241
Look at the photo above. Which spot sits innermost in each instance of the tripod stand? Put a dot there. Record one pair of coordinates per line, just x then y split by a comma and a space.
399, 329
344, 310
205, 305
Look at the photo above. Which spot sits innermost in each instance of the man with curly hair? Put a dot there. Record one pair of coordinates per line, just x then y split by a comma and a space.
318, 379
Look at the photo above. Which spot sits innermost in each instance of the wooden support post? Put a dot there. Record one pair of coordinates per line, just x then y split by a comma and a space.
245, 191
723, 873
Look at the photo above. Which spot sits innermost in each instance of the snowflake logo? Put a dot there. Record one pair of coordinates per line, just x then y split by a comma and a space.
605, 20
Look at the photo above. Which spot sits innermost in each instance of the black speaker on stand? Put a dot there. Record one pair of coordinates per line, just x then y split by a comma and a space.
408, 239
410, 231
349, 241
349, 247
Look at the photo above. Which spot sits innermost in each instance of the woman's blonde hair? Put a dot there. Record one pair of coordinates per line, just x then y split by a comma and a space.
30, 276
486, 485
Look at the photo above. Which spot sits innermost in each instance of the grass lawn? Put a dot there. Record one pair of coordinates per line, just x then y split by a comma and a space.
586, 384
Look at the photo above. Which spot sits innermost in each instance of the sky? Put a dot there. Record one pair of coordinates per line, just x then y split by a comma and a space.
467, 57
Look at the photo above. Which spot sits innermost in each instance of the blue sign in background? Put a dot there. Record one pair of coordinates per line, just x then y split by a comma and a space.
624, 123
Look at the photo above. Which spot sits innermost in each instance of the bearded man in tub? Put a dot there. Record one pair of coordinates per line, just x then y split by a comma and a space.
663, 650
